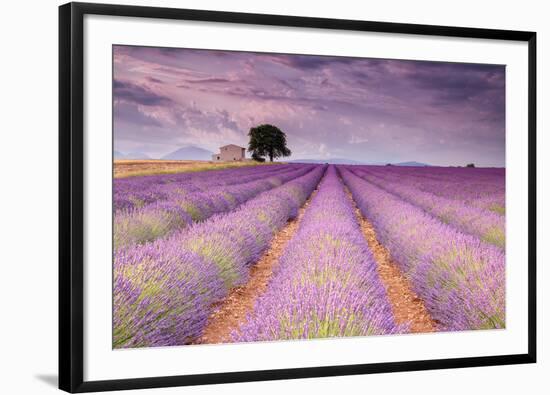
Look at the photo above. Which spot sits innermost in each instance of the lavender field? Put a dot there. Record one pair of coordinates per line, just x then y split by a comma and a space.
303, 251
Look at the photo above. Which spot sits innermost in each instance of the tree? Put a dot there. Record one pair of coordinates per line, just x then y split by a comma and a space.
470, 165
257, 158
267, 140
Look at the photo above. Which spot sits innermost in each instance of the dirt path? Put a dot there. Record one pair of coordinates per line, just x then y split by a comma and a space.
232, 311
407, 306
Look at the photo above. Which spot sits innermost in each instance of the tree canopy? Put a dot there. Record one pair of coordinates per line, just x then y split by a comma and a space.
257, 158
267, 140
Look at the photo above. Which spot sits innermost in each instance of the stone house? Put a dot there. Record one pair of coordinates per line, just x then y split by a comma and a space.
229, 153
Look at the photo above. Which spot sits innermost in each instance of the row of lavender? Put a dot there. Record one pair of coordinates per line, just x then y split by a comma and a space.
471, 186
485, 224
164, 291
326, 283
131, 192
459, 277
482, 188
487, 174
184, 204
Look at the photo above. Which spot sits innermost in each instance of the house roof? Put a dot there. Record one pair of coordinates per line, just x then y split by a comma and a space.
231, 145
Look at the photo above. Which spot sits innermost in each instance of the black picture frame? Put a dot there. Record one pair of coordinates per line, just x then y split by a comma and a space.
71, 173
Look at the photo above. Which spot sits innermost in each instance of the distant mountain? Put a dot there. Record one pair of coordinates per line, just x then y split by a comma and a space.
412, 163
189, 152
119, 155
136, 155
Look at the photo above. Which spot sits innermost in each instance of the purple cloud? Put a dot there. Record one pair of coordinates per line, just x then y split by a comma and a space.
133, 93
372, 110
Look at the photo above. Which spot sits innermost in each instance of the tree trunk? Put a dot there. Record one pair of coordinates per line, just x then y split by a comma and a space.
271, 156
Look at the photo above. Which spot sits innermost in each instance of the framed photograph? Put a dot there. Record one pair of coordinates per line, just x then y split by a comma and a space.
251, 197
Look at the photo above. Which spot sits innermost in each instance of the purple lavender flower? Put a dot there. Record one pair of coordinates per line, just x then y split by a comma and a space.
180, 204
459, 277
326, 282
486, 224
164, 291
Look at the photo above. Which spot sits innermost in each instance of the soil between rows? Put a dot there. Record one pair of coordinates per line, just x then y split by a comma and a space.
406, 305
231, 312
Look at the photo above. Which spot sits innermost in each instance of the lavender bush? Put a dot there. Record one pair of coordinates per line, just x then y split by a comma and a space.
326, 283
476, 221
459, 277
164, 290
183, 204
135, 192
482, 188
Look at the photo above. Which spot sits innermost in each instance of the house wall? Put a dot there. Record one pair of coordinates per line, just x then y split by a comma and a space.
229, 153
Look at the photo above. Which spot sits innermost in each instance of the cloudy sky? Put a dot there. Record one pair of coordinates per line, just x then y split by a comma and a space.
371, 110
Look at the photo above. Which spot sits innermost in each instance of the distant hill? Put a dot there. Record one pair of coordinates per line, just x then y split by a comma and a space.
344, 161
130, 155
136, 155
189, 152
334, 161
412, 163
